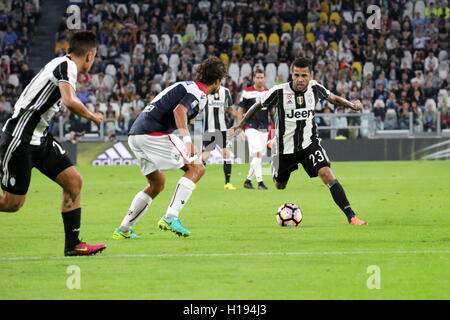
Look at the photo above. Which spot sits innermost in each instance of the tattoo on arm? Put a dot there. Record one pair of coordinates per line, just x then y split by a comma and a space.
250, 113
339, 101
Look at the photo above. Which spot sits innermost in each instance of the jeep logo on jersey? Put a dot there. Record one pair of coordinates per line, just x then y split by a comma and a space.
117, 155
300, 114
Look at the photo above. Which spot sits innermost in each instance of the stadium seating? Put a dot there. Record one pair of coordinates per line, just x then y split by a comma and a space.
283, 71
310, 37
174, 61
111, 70
358, 17
299, 26
335, 17
263, 36
301, 37
225, 58
274, 38
286, 27
323, 17
271, 74
245, 72
419, 8
250, 37
234, 71
357, 65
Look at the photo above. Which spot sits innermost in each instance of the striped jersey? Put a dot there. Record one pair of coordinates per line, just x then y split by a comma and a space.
218, 102
158, 117
38, 102
293, 113
249, 97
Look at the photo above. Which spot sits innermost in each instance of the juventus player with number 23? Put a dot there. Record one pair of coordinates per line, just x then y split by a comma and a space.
292, 106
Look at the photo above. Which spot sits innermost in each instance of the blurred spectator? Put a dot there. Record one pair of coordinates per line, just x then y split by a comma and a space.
429, 117
397, 65
379, 113
390, 121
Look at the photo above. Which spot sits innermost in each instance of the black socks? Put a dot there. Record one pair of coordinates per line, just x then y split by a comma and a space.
340, 198
72, 221
227, 170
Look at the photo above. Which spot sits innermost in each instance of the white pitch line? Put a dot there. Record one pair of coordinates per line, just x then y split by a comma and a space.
228, 254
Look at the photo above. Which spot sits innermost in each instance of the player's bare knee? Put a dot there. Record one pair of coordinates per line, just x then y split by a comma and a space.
326, 175
75, 185
280, 186
200, 170
158, 187
13, 206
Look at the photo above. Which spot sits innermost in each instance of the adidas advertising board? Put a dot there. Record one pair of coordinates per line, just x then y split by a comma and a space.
117, 155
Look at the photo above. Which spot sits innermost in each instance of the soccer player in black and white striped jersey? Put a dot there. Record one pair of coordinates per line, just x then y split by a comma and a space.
215, 130
26, 142
292, 107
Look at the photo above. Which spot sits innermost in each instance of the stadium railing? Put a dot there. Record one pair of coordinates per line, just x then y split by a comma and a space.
329, 126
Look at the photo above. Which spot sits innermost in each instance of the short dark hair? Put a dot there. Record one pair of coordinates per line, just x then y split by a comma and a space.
81, 42
258, 70
211, 70
302, 62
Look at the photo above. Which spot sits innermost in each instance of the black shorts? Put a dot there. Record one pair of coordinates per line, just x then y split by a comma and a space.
19, 158
312, 159
213, 139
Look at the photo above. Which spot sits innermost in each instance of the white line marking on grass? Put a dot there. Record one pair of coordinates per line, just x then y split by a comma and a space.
105, 256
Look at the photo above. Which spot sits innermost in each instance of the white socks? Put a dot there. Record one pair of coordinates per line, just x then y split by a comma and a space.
255, 169
138, 207
182, 194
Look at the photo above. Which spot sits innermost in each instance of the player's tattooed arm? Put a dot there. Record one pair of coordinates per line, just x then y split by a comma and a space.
234, 131
356, 105
250, 114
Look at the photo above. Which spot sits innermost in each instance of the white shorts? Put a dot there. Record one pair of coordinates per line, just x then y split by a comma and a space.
166, 152
257, 141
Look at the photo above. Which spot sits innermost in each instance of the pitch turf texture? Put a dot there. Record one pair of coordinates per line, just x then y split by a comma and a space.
237, 251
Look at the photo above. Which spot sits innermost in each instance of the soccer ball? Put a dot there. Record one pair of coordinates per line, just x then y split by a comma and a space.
289, 215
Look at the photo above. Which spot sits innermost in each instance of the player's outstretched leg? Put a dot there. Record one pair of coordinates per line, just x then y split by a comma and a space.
139, 206
71, 183
183, 191
338, 194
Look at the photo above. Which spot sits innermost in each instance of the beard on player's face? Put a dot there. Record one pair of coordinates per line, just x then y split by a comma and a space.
300, 85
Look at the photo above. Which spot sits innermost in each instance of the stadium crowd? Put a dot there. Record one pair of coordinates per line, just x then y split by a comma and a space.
397, 68
17, 25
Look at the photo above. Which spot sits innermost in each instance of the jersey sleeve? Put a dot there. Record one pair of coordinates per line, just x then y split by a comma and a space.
322, 92
189, 101
228, 99
66, 72
270, 98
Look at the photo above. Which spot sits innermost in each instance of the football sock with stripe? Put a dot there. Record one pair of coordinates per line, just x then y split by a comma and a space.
227, 170
183, 192
340, 198
72, 222
138, 208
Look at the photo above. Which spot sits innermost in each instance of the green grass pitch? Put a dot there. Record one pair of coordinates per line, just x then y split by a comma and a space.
237, 251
